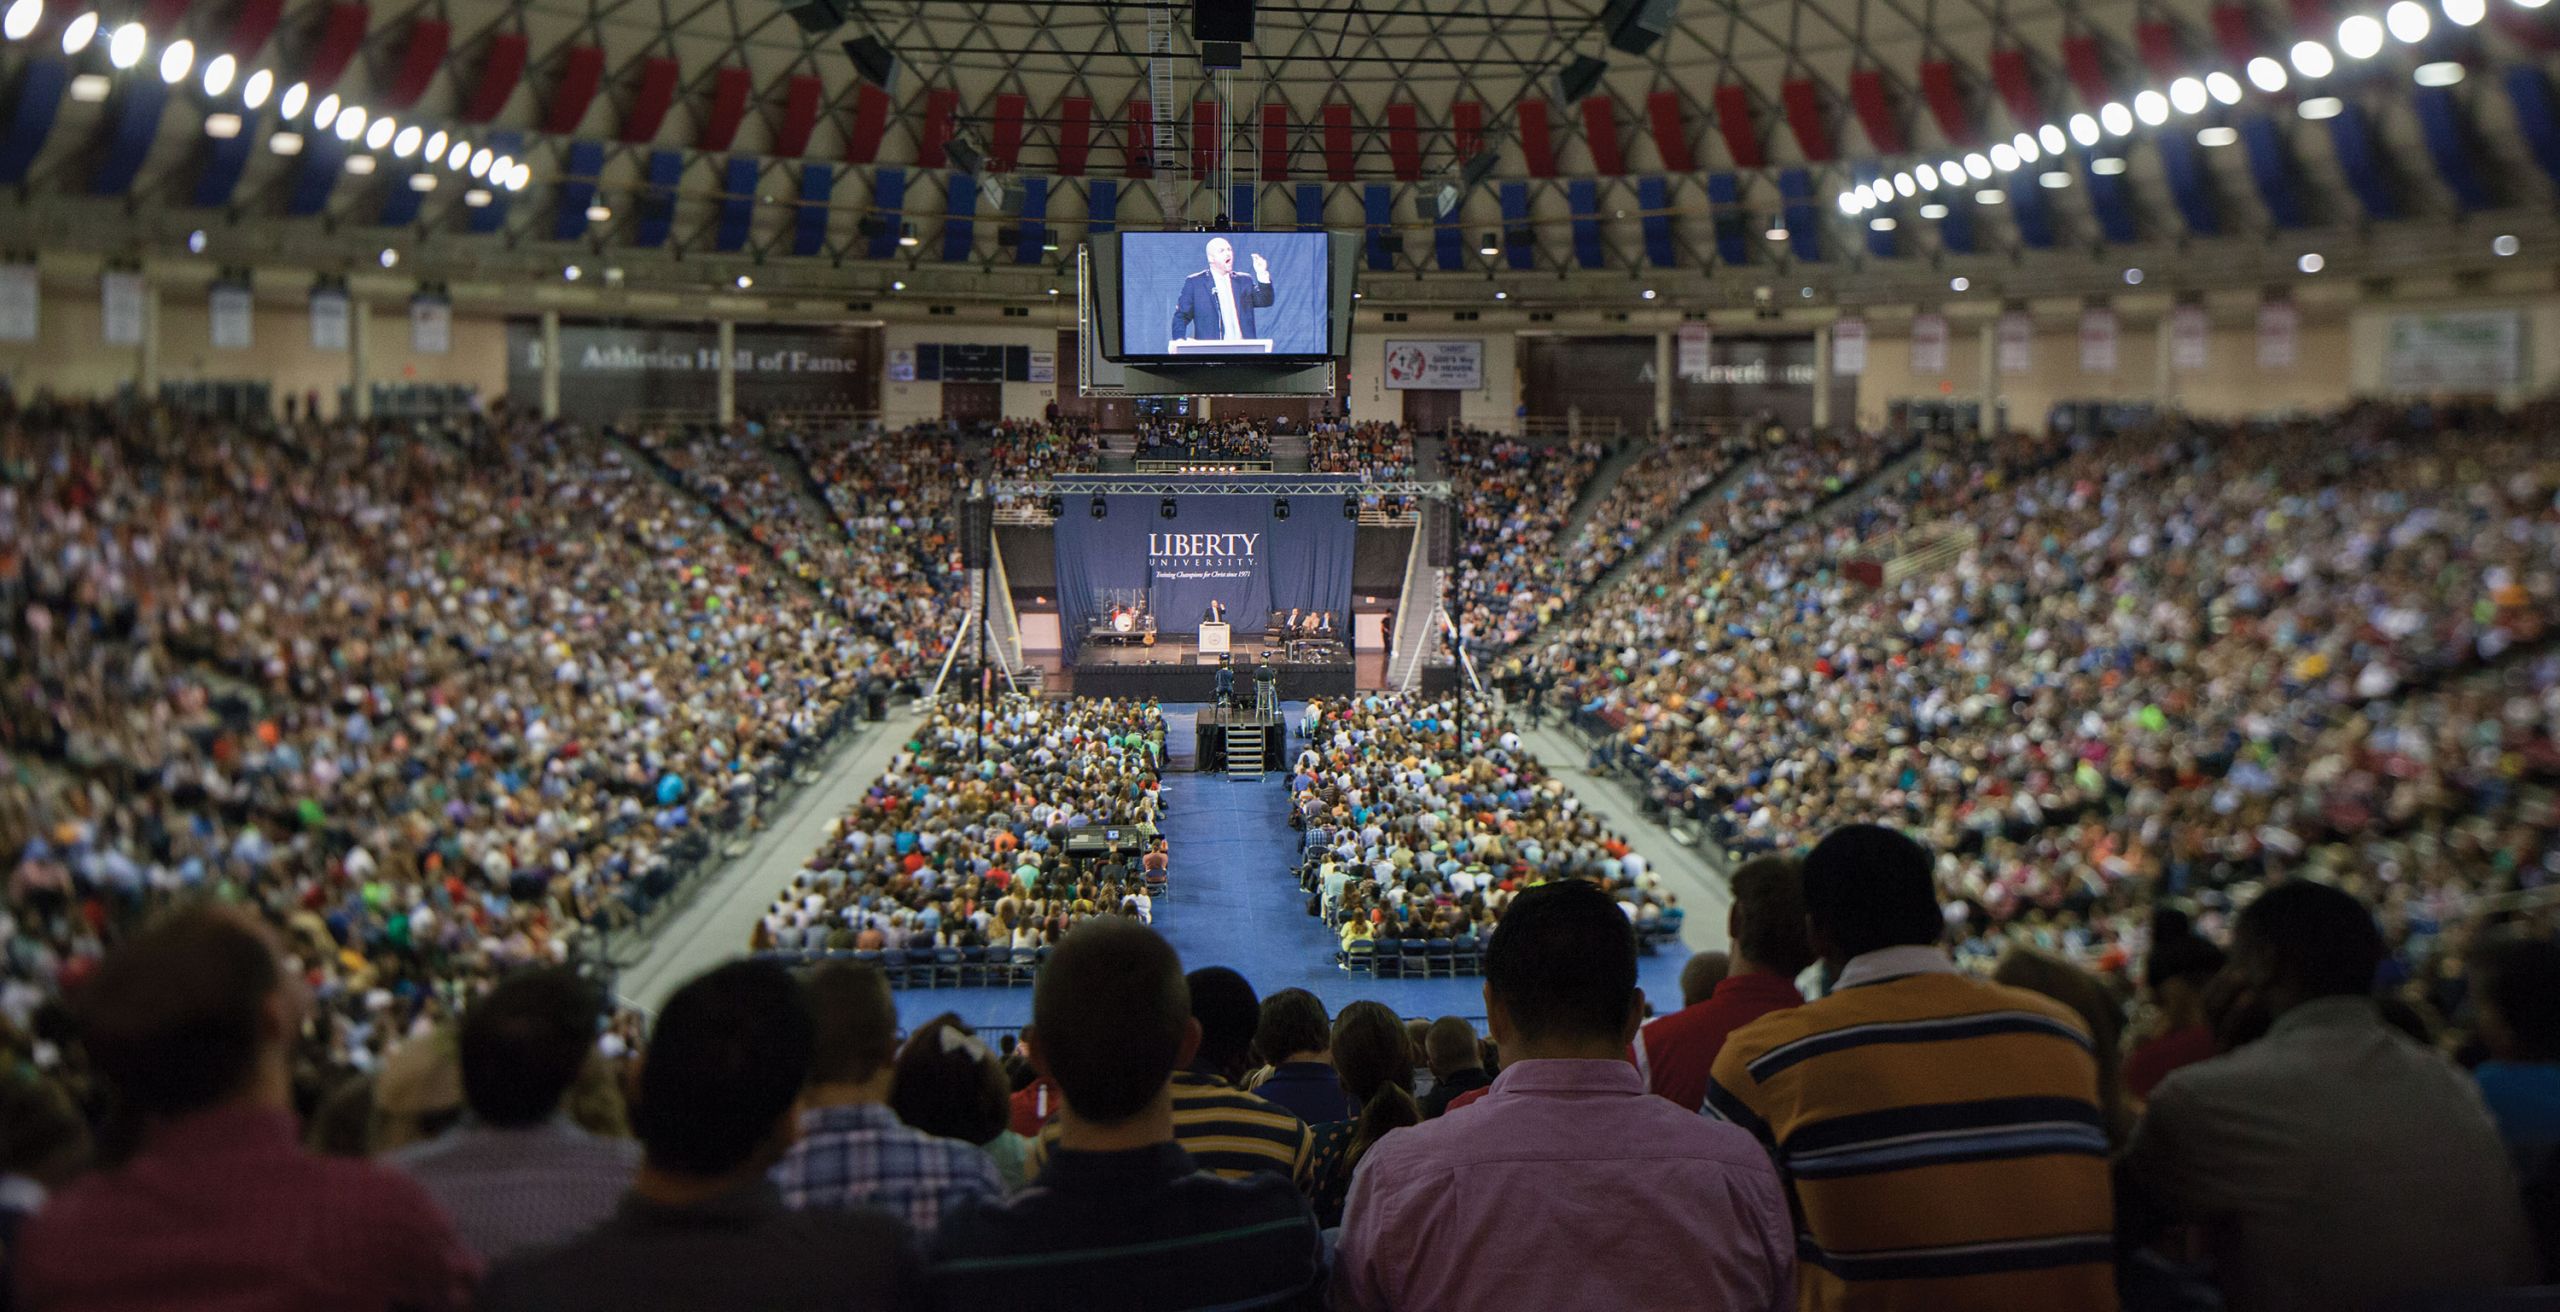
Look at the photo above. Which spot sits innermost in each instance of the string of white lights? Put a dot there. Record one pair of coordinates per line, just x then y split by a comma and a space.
233, 90
2359, 38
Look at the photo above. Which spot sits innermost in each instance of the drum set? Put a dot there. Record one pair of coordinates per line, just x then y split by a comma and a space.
1126, 619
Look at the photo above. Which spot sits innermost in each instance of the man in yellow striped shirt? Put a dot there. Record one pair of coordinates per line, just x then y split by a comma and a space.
1940, 1136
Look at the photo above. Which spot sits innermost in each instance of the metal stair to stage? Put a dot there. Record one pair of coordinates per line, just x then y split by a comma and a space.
1244, 751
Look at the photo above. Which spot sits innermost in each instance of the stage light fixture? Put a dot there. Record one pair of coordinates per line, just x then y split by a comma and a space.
873, 62
1101, 508
1280, 508
1351, 507
1580, 78
1165, 508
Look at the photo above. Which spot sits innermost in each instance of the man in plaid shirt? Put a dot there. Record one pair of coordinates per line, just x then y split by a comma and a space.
853, 1151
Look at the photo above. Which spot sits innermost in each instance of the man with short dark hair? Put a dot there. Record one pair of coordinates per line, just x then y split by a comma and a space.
191, 1024
2332, 1162
1457, 1063
703, 1226
1677, 1052
1700, 974
519, 1173
1121, 1216
1295, 1037
853, 1151
2178, 969
1913, 1081
1566, 1185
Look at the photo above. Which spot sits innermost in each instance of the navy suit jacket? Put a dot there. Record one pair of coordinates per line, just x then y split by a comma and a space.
1195, 314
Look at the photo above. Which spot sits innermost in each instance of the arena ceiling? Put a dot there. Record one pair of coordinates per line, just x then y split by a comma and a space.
689, 142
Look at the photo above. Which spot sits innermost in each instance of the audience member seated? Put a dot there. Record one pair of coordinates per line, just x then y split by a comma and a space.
703, 1226
951, 1085
1676, 1053
2178, 971
520, 1172
191, 1026
1374, 1062
1122, 1216
1228, 1131
1910, 1079
2330, 1163
1295, 1040
853, 1151
1636, 1203
1457, 1063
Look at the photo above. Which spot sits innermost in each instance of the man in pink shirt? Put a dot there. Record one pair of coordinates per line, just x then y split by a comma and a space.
1567, 1184
191, 1023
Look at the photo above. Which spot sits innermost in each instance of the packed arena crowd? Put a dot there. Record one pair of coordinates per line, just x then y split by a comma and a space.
1034, 448
962, 841
1375, 450
1178, 438
1418, 829
1515, 500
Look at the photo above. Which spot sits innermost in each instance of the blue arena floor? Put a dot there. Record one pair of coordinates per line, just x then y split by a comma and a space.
1234, 904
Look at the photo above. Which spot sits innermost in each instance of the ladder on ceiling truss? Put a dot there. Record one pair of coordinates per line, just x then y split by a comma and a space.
1160, 74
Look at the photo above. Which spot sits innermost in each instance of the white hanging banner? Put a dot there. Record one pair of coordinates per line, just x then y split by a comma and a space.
1849, 348
1697, 351
1928, 343
2097, 341
20, 294
902, 364
2279, 333
2017, 337
120, 307
328, 321
1044, 367
430, 325
231, 309
2190, 337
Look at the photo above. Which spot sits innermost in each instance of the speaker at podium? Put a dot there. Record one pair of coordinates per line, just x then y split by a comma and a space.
1224, 346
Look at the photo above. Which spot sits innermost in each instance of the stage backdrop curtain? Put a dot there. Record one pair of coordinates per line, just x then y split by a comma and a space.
1233, 549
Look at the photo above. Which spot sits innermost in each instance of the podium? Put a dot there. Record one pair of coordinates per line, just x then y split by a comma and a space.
1228, 346
1213, 638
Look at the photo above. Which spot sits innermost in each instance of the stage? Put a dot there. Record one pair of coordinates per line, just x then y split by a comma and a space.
1155, 672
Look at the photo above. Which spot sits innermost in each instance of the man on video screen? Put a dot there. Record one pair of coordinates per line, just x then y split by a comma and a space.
1217, 303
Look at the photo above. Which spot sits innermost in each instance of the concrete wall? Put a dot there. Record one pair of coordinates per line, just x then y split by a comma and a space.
1489, 407
70, 357
903, 403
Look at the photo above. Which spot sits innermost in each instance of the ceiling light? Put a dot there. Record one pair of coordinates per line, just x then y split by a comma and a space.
285, 143
434, 149
2441, 73
2133, 277
1978, 165
295, 97
2222, 87
900, 285
1881, 223
2050, 137
1648, 293
2053, 179
522, 177
2464, 13
78, 33
1991, 196
2107, 166
360, 164
1928, 176
1499, 296
1866, 194
254, 92
350, 123
406, 144
460, 155
90, 88
573, 273
1903, 185
390, 259
124, 49
2084, 129
218, 72
2028, 150
2312, 59
2408, 21
2266, 75
2115, 118
222, 127
2152, 108
178, 60
1848, 203
501, 168
1489, 249
2187, 96
2320, 107
1959, 283
476, 197
1805, 292
2310, 262
2505, 245
422, 181
195, 242
326, 112
2360, 37
380, 134
599, 214
1951, 173
1933, 210
2004, 157
2217, 135
1776, 233
2531, 4
22, 19
480, 162
907, 238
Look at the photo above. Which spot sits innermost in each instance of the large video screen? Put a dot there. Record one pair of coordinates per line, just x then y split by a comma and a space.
1205, 296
